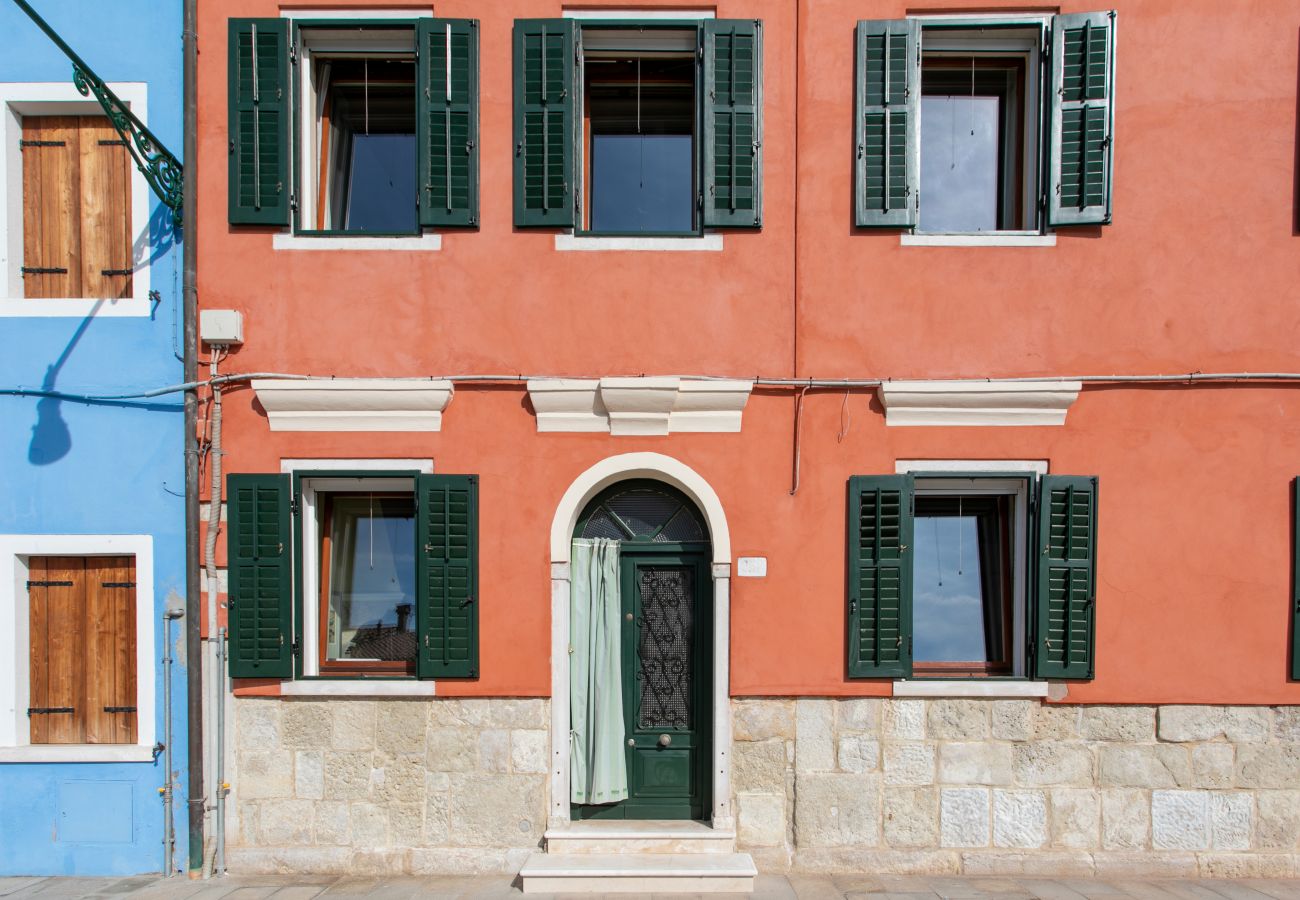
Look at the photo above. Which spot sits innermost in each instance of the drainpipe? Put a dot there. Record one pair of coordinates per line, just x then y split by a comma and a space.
169, 786
189, 292
214, 657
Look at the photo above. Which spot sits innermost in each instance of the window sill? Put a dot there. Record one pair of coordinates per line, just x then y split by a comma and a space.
326, 688
969, 687
74, 307
77, 753
1003, 239
286, 241
704, 242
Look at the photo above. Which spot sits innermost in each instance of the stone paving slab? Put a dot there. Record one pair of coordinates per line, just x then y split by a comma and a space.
766, 887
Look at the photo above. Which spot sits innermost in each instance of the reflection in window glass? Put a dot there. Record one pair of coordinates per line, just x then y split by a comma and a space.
382, 186
947, 600
369, 555
959, 163
641, 182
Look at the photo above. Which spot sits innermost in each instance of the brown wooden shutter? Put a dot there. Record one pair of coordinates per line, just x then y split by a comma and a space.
51, 147
105, 210
82, 650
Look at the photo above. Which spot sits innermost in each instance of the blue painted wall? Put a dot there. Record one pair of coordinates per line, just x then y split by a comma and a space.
78, 468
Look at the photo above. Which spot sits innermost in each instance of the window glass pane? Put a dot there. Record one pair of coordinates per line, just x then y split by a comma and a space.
948, 593
382, 184
960, 163
370, 556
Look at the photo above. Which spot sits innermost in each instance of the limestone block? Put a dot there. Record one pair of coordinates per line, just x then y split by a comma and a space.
286, 860
494, 750
964, 817
1125, 819
452, 749
1118, 723
1213, 765
497, 810
1076, 818
248, 819
1013, 720
758, 766
369, 823
760, 819
305, 725
1144, 766
1286, 724
1277, 825
837, 810
1240, 724
1231, 816
401, 725
905, 719
761, 720
406, 823
286, 822
353, 727
909, 762
518, 712
264, 774
1019, 818
859, 753
529, 751
1248, 865
465, 861
1052, 762
330, 823
978, 762
911, 816
1180, 820
958, 720
309, 775
1268, 766
1042, 863
398, 779
347, 775
859, 715
1145, 865
854, 861
374, 863
437, 816
257, 723
1055, 723
814, 748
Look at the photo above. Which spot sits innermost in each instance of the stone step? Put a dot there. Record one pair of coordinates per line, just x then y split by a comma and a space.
638, 873
639, 836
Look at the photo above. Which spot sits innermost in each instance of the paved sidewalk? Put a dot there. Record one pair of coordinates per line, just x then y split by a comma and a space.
767, 887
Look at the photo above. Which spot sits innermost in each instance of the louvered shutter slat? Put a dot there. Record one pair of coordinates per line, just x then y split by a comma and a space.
1067, 565
447, 577
1082, 109
880, 576
733, 123
888, 96
261, 578
544, 122
259, 119
447, 121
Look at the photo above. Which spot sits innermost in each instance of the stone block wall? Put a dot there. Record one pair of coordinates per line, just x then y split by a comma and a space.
1017, 786
391, 786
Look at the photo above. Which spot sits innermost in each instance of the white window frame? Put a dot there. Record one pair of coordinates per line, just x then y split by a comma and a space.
987, 485
15, 730
18, 99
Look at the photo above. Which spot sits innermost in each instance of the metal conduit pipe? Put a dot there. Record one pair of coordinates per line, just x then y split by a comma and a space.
213, 653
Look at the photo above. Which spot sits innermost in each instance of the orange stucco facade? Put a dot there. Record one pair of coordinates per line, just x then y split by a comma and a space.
1198, 272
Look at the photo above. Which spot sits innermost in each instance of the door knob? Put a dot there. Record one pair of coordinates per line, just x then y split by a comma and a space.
631, 742
665, 740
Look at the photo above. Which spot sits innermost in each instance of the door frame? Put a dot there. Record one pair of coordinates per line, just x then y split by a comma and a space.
609, 471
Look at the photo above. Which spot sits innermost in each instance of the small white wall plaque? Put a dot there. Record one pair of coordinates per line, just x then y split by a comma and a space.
751, 566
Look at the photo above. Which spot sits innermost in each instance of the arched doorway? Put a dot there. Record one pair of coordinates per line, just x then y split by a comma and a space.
665, 596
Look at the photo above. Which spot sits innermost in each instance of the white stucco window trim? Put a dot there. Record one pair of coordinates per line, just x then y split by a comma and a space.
325, 689
993, 239
643, 13
284, 240
988, 402
969, 687
710, 242
15, 674
609, 471
61, 98
641, 405
354, 404
345, 14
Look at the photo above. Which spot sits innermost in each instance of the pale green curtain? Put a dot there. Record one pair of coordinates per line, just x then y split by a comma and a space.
598, 764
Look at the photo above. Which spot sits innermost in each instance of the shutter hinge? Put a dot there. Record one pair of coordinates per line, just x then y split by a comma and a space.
32, 584
295, 648
119, 709
42, 270
293, 54
699, 54
117, 271
293, 201
117, 143
22, 144
909, 645
50, 710
117, 584
294, 504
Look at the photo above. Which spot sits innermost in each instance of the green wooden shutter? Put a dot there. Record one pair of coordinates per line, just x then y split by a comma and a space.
733, 123
1065, 603
887, 168
1295, 585
880, 576
544, 122
447, 121
259, 117
447, 576
1083, 117
261, 576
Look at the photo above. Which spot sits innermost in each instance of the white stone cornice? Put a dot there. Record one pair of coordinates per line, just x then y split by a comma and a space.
354, 404
978, 402
656, 405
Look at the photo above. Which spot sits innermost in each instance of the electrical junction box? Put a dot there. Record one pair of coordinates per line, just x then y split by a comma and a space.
221, 326
751, 567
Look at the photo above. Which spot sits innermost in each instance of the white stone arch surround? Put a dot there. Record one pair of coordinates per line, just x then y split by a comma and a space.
609, 471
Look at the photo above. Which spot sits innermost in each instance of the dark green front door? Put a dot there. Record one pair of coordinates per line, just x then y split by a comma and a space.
667, 670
